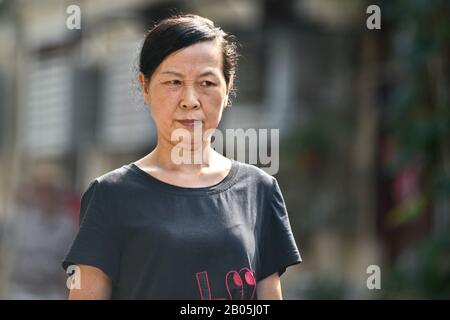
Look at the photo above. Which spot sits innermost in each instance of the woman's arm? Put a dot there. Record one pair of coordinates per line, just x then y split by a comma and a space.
94, 285
269, 288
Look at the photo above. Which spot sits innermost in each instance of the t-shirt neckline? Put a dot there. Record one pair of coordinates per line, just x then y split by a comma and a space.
222, 185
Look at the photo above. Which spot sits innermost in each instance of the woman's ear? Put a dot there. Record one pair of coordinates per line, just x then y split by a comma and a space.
145, 87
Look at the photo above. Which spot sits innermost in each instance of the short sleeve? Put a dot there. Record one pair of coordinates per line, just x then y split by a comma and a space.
95, 243
278, 249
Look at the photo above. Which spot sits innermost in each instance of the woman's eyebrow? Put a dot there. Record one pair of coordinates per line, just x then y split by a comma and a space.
203, 74
173, 73
208, 73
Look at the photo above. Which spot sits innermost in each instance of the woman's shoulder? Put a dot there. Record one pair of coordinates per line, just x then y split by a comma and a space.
252, 174
113, 180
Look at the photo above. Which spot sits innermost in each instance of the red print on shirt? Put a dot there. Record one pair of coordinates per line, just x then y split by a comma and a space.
240, 285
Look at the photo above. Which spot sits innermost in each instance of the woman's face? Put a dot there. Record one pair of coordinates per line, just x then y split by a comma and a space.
188, 85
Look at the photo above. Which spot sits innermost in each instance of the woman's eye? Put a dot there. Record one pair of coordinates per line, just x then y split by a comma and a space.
173, 82
207, 84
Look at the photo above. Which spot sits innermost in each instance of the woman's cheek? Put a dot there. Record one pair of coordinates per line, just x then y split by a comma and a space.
213, 119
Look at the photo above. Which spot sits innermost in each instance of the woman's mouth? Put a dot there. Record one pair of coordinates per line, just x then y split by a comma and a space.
189, 122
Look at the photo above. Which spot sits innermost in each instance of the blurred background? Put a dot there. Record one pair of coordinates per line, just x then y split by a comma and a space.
364, 119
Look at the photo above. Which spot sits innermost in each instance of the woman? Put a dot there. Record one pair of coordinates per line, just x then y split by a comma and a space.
165, 228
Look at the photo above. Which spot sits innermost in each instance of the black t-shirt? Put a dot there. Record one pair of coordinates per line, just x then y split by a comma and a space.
160, 241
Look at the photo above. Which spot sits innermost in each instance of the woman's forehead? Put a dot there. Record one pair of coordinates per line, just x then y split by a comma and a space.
200, 57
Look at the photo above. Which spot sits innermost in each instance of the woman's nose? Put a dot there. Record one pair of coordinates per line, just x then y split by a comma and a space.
189, 98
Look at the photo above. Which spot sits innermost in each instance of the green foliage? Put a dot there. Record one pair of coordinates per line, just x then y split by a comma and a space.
425, 275
418, 111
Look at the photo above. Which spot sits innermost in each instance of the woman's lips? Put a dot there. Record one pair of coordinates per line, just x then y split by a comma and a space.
188, 122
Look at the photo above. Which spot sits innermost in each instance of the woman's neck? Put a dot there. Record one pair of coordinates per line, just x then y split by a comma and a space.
183, 158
